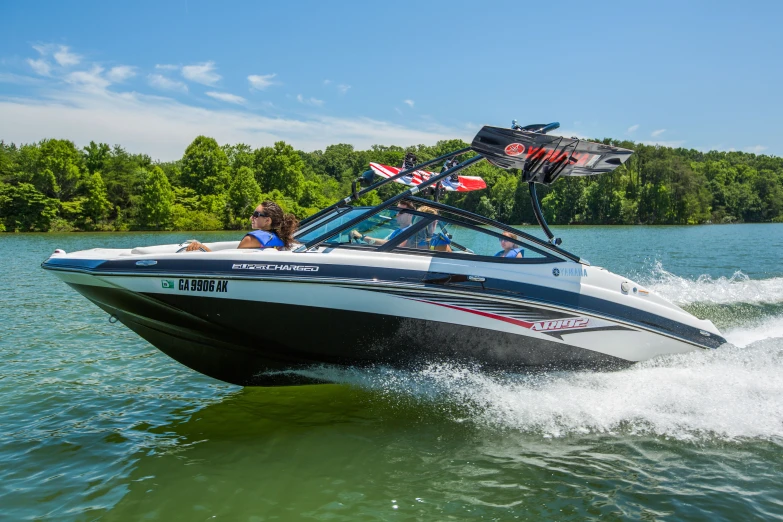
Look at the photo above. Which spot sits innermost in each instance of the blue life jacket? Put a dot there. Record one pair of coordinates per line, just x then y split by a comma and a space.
267, 239
439, 239
397, 233
511, 253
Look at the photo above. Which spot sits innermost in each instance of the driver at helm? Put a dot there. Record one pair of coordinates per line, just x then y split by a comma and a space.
404, 221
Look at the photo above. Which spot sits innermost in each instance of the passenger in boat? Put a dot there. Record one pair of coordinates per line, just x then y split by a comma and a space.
431, 237
272, 228
510, 249
404, 220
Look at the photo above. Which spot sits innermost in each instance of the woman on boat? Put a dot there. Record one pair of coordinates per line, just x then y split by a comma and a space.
510, 248
272, 228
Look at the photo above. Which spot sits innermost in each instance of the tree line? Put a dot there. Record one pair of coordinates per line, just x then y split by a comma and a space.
54, 186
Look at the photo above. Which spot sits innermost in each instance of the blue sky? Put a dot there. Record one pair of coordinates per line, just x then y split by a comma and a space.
153, 75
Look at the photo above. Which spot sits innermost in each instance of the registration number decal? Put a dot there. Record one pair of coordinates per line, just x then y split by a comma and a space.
203, 285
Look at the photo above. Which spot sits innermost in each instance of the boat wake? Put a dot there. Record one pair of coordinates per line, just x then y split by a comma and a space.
739, 288
732, 393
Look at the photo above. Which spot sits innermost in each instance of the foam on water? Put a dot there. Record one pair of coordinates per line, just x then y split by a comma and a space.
739, 288
742, 336
727, 394
735, 392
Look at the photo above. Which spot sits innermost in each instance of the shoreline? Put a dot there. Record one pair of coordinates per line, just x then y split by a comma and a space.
524, 225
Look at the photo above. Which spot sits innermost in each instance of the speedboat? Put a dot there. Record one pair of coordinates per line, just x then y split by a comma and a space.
357, 291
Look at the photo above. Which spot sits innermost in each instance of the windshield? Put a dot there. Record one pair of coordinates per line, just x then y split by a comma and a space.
376, 230
328, 222
440, 235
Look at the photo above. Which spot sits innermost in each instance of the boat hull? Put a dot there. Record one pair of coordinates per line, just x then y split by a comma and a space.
256, 343
270, 332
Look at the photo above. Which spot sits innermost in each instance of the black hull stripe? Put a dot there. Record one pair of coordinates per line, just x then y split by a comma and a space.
396, 277
224, 340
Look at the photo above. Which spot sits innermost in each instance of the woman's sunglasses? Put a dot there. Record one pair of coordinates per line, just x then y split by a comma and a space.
257, 214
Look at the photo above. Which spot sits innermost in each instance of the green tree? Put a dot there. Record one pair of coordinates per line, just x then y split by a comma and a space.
95, 156
8, 161
485, 207
123, 173
97, 205
157, 198
45, 182
603, 203
280, 168
502, 197
205, 167
238, 156
769, 187
63, 160
243, 196
338, 160
565, 202
25, 209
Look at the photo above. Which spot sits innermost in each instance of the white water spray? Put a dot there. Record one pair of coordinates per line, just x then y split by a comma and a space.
735, 392
739, 288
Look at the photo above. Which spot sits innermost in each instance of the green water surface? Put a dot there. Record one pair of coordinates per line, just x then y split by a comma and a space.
97, 424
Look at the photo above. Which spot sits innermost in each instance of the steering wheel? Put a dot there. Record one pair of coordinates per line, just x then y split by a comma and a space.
187, 244
185, 248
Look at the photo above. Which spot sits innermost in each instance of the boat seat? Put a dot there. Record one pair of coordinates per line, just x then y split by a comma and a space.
170, 249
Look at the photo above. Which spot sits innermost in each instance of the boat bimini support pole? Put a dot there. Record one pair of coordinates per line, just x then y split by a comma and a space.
540, 216
390, 202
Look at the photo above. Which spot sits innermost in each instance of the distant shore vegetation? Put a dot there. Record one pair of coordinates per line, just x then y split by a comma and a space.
54, 186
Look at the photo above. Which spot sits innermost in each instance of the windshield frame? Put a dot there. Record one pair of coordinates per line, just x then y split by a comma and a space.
394, 244
549, 249
424, 219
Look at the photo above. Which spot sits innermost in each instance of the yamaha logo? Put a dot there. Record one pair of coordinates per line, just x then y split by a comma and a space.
555, 272
514, 149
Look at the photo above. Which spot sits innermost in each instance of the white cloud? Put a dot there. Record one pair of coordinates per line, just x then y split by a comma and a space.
65, 57
657, 133
327, 82
91, 79
203, 73
756, 149
166, 67
408, 102
260, 82
161, 82
121, 73
42, 49
226, 97
163, 127
309, 101
40, 66
18, 79
633, 128
343, 88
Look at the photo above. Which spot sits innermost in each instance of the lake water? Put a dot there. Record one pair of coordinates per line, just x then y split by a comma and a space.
97, 424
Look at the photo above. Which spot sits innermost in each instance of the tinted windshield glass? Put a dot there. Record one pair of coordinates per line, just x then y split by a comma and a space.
319, 227
439, 235
376, 230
